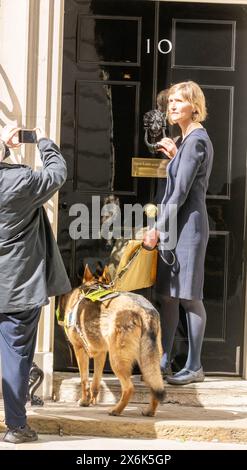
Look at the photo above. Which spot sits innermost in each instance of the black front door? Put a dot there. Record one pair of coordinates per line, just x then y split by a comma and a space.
114, 66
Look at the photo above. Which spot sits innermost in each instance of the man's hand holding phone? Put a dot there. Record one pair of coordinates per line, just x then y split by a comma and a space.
13, 137
31, 136
9, 136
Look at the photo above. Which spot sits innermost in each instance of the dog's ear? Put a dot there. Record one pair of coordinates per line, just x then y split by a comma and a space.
87, 276
106, 277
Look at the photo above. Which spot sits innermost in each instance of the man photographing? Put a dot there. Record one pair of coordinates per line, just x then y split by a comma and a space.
31, 269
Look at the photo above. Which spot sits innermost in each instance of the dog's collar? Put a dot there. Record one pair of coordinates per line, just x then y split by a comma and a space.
100, 294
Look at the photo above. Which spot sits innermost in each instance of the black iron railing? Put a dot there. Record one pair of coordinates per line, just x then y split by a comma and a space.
36, 377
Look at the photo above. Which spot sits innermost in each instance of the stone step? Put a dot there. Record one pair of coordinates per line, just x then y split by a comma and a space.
185, 423
214, 391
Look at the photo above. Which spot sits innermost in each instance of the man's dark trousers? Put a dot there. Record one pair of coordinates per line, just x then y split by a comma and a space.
18, 333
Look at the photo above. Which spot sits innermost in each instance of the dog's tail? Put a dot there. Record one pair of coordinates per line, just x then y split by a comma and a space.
150, 355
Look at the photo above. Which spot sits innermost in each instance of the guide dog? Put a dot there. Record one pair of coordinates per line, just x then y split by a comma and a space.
128, 327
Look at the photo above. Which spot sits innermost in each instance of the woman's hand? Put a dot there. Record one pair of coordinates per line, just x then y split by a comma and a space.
150, 238
168, 147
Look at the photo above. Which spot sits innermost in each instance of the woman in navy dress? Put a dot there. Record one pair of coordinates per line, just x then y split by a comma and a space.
181, 270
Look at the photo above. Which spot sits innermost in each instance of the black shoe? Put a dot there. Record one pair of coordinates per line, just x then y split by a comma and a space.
186, 376
20, 434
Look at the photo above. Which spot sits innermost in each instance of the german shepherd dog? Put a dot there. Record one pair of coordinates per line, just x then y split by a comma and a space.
128, 327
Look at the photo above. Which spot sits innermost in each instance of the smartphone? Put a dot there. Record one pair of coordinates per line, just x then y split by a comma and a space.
27, 136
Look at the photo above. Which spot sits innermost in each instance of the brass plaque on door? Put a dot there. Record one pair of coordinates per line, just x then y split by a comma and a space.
149, 167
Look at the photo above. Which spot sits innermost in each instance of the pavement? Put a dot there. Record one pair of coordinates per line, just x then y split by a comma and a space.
49, 442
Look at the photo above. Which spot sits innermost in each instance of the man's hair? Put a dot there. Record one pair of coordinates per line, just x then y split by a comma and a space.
162, 101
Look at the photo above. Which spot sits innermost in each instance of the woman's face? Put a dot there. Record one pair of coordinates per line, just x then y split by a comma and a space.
179, 109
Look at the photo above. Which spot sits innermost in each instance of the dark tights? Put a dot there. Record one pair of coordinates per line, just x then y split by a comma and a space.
196, 321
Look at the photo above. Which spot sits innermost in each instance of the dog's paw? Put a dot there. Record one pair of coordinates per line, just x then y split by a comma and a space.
114, 412
148, 412
82, 402
93, 401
